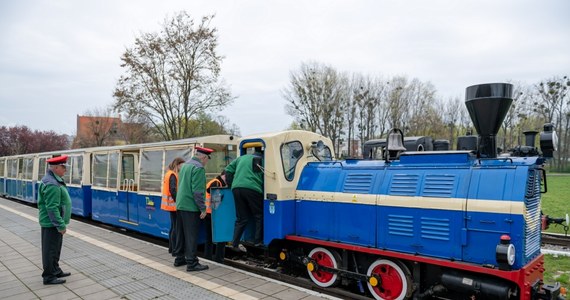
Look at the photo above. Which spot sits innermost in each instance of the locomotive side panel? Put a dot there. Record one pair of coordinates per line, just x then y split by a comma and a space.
422, 211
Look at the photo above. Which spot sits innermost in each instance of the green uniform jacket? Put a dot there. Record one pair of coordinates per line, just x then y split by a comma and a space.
54, 203
246, 175
191, 187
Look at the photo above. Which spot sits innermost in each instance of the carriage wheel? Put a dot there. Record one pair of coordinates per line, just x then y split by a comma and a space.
325, 258
394, 280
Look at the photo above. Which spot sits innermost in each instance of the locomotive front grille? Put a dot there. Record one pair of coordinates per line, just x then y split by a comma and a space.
532, 216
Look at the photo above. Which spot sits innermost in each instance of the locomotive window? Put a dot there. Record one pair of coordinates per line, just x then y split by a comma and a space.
323, 154
290, 154
100, 163
76, 169
2, 164
42, 170
151, 170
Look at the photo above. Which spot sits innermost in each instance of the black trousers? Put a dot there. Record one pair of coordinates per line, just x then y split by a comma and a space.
172, 233
178, 250
190, 221
249, 204
208, 247
52, 241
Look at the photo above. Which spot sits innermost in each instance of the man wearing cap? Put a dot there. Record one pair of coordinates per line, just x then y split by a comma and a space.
190, 208
54, 207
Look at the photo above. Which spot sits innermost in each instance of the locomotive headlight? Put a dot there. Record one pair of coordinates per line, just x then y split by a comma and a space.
505, 253
511, 254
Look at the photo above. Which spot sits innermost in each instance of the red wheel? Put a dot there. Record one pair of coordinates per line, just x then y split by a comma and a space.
324, 257
394, 283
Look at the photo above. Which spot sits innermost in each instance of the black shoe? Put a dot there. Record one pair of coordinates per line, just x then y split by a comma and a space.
239, 248
55, 281
196, 268
63, 274
178, 263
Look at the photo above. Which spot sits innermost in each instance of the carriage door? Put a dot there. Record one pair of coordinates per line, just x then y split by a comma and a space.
128, 208
20, 183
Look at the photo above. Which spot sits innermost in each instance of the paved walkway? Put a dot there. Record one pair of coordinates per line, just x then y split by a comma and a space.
107, 265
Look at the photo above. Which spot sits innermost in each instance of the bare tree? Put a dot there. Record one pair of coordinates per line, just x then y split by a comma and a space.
136, 130
421, 104
172, 76
452, 115
97, 127
553, 106
398, 102
317, 98
368, 94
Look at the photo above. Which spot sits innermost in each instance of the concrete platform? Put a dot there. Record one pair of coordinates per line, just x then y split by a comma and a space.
107, 265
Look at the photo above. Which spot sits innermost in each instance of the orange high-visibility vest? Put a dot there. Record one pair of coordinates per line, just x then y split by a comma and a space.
168, 202
208, 195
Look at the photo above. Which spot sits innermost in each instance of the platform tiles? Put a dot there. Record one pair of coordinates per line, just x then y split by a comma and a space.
108, 265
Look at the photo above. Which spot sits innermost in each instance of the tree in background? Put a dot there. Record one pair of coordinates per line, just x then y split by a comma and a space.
21, 140
317, 98
366, 95
173, 76
204, 124
321, 100
553, 104
97, 127
136, 130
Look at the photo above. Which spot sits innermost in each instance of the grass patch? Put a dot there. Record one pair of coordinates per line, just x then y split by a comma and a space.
556, 201
557, 269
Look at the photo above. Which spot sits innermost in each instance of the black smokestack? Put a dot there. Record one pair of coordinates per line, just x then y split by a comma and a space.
488, 105
530, 137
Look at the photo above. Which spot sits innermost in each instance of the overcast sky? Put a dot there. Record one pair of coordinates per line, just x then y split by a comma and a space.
59, 59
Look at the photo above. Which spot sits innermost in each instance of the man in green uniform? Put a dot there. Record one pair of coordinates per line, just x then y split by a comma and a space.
245, 177
54, 207
190, 209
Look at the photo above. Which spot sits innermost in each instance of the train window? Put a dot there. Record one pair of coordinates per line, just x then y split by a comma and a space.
290, 154
220, 158
42, 168
322, 152
67, 175
113, 169
378, 153
151, 171
171, 154
76, 169
128, 167
28, 168
13, 168
100, 164
2, 164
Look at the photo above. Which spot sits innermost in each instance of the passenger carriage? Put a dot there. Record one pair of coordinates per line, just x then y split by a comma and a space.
127, 180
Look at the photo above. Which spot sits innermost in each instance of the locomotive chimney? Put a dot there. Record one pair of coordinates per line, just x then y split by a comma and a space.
530, 137
488, 105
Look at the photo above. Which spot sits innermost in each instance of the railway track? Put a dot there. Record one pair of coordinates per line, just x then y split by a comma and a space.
556, 239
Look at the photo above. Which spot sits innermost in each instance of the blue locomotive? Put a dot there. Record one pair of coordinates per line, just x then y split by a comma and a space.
413, 225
